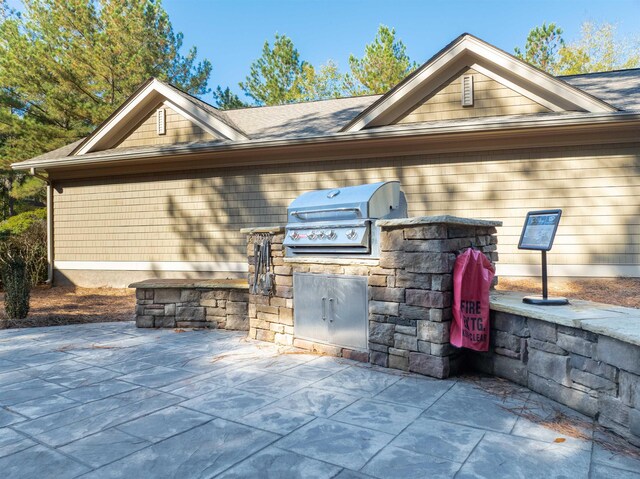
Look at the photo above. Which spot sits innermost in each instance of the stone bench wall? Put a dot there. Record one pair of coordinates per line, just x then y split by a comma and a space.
409, 288
191, 307
595, 374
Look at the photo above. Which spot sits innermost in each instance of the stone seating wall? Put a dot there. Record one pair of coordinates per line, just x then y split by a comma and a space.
179, 303
585, 355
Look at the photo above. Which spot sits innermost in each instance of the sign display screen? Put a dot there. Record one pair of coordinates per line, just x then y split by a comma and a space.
539, 230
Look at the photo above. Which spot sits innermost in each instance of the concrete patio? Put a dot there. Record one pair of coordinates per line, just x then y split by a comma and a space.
109, 400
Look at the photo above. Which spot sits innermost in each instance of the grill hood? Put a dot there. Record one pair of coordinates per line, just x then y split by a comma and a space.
341, 220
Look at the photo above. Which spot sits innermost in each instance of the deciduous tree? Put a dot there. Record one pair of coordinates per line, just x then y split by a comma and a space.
321, 83
598, 49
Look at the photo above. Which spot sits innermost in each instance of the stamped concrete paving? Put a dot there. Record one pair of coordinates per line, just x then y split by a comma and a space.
109, 401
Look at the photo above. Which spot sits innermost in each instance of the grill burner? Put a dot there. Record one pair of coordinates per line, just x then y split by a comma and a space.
341, 222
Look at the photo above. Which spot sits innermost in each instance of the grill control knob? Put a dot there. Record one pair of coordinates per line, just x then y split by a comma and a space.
312, 236
294, 236
332, 235
321, 235
352, 234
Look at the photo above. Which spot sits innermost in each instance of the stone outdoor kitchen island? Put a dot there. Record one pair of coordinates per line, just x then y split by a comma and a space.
409, 292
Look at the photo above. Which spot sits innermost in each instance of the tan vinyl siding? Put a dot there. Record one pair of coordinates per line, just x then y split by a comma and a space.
490, 99
178, 130
195, 216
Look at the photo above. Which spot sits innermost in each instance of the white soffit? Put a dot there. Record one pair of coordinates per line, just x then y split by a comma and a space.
471, 52
144, 102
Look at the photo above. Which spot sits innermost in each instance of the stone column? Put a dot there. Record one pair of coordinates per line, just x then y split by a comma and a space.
410, 311
271, 317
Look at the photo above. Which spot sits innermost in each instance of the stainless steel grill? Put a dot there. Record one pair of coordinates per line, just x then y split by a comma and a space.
341, 222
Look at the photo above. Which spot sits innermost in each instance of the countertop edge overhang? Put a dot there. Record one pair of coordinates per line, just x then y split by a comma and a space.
442, 219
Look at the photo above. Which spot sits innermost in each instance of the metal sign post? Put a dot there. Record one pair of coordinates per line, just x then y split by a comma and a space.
538, 233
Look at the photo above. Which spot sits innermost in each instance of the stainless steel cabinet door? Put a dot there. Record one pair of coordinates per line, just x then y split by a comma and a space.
348, 312
310, 302
331, 309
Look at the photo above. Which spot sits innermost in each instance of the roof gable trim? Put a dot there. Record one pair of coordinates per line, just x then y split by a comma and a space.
140, 104
468, 50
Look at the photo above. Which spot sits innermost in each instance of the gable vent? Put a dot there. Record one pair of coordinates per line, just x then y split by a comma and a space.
467, 90
161, 122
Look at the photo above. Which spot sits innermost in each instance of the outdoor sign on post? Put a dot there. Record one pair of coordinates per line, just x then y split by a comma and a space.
538, 233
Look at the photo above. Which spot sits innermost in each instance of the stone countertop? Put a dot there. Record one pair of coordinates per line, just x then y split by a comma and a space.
263, 229
192, 283
443, 219
609, 320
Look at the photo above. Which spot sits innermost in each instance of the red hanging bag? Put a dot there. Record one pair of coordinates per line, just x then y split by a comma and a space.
472, 277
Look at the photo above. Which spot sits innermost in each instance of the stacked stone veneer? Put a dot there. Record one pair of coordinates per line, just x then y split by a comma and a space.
593, 373
410, 292
212, 304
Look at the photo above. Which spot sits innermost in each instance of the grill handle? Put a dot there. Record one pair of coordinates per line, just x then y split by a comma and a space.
332, 210
324, 312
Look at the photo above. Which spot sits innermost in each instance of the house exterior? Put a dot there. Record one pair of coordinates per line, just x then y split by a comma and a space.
163, 186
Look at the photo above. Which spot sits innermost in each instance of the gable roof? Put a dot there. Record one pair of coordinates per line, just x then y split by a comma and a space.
315, 121
140, 104
469, 51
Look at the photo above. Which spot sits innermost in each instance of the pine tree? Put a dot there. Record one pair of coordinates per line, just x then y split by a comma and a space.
542, 47
274, 78
226, 99
385, 63
66, 65
280, 76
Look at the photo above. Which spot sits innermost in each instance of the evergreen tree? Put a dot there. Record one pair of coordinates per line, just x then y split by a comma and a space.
385, 63
227, 100
66, 65
542, 47
275, 77
280, 76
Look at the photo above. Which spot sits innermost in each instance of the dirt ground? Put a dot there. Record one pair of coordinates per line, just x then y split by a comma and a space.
68, 305
618, 291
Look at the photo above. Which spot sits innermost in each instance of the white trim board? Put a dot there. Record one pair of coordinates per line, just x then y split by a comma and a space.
465, 51
190, 266
571, 270
141, 104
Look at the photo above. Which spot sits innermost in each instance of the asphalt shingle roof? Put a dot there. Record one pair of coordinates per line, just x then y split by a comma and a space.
320, 118
618, 88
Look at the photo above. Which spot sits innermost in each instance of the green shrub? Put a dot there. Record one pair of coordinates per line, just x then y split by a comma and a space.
20, 223
16, 286
29, 244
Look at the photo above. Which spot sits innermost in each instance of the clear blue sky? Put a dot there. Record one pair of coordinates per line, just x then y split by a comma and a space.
231, 33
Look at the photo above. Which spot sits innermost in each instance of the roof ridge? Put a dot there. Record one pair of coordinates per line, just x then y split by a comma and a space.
254, 107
